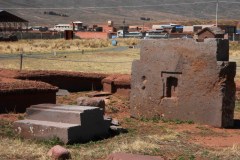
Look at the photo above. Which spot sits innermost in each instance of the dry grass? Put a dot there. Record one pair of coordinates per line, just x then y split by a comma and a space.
235, 55
48, 46
132, 142
59, 45
228, 153
101, 61
98, 55
21, 150
234, 49
149, 137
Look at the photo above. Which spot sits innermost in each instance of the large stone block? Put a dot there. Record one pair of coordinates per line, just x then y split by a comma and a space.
184, 79
70, 124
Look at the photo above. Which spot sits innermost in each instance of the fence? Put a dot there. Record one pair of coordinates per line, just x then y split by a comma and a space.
38, 35
88, 61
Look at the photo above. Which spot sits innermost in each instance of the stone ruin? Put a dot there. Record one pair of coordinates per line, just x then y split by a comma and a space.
181, 79
69, 123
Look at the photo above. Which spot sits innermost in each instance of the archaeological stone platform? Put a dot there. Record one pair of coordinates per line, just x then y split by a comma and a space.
71, 124
185, 80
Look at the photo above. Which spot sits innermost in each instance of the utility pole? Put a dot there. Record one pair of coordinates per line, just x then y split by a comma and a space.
217, 5
143, 27
124, 28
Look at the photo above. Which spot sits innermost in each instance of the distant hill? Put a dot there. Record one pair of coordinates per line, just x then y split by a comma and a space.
99, 11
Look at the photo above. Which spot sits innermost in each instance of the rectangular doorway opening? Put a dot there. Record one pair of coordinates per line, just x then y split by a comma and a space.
171, 90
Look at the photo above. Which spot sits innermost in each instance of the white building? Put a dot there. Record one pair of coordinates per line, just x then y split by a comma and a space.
77, 25
63, 27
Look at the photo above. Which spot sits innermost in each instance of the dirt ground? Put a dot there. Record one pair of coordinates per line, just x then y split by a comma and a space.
214, 142
118, 107
207, 136
171, 139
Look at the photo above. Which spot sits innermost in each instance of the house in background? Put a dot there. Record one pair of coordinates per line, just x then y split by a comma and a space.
197, 28
11, 23
210, 32
101, 31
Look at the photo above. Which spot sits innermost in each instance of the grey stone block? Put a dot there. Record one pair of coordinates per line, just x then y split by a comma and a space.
54, 115
71, 124
44, 129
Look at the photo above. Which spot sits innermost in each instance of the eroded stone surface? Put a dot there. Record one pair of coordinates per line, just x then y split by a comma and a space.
186, 80
127, 156
59, 153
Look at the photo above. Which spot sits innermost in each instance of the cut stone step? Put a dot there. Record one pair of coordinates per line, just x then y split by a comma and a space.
83, 115
65, 107
44, 130
53, 115
67, 133
71, 124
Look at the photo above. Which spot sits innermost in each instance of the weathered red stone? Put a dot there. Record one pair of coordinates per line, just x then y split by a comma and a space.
127, 156
59, 153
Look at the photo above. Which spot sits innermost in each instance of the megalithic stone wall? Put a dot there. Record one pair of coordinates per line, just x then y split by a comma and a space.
185, 80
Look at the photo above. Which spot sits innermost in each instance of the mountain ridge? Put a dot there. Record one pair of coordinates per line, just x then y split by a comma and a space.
99, 11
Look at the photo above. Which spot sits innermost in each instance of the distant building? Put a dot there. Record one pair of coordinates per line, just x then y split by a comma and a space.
63, 27
210, 32
228, 28
188, 29
77, 25
174, 28
138, 28
104, 31
197, 28
129, 34
155, 34
11, 22
39, 28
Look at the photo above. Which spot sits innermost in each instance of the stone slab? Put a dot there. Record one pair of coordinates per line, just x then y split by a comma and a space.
88, 115
98, 94
34, 129
71, 124
128, 156
65, 107
46, 114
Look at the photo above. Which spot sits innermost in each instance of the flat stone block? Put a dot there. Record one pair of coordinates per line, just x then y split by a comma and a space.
71, 124
63, 116
44, 129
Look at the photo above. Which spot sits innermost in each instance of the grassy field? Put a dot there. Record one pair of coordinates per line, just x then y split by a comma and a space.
60, 45
98, 56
